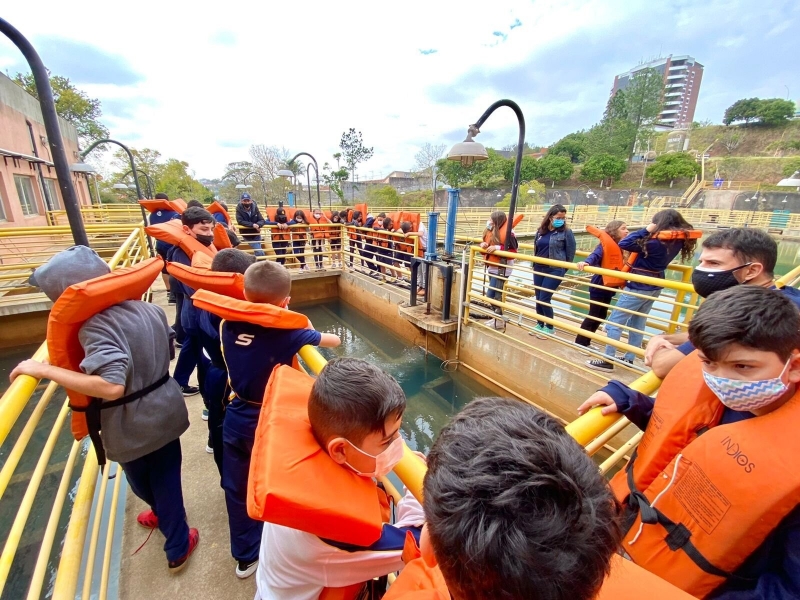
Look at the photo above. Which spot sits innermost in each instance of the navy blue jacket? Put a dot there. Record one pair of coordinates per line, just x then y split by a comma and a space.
247, 218
774, 568
562, 244
658, 256
189, 313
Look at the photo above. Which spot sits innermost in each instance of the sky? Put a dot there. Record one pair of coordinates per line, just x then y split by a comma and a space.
203, 83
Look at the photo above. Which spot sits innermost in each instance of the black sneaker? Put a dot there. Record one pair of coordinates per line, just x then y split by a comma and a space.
626, 360
190, 390
600, 365
244, 569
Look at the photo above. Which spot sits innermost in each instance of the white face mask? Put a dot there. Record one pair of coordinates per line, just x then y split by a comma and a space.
747, 395
384, 462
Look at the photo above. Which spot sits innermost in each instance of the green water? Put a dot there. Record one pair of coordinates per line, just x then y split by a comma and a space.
434, 395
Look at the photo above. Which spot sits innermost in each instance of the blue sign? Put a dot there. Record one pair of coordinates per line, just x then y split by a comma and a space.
718, 182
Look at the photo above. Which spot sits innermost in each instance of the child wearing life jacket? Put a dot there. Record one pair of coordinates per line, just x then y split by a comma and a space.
604, 255
142, 412
354, 241
653, 255
251, 352
299, 237
515, 509
318, 235
712, 493
384, 249
370, 240
404, 257
494, 238
355, 411
335, 237
280, 234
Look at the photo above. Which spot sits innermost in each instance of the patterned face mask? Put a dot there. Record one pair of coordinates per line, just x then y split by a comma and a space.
747, 396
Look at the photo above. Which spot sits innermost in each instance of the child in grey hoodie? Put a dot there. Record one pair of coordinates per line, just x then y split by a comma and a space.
127, 349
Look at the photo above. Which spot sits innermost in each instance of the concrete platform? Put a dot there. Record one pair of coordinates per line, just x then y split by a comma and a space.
427, 322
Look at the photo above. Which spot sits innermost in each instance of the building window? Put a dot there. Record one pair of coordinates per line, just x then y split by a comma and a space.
2, 211
52, 192
26, 197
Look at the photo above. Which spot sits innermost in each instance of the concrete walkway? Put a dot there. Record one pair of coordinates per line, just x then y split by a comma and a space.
210, 571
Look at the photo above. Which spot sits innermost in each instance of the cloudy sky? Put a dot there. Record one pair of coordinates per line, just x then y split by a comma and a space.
203, 82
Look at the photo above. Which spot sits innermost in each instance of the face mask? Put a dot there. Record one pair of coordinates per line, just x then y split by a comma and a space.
747, 395
384, 462
558, 223
708, 281
206, 240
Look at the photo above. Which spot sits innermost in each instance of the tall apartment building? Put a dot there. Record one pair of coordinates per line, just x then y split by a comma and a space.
682, 77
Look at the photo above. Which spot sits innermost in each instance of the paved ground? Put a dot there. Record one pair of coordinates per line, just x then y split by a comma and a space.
210, 572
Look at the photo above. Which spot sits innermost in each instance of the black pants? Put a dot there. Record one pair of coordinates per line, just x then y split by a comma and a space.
279, 246
316, 244
299, 248
179, 333
596, 312
368, 255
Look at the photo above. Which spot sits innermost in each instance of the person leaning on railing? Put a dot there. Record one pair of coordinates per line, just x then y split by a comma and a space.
494, 238
740, 255
554, 240
652, 258
250, 223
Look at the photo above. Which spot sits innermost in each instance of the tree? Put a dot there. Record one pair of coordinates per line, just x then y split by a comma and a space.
383, 196
485, 172
453, 172
425, 159
731, 139
529, 194
72, 104
672, 166
555, 168
602, 167
334, 178
176, 182
791, 167
237, 171
572, 145
742, 110
775, 111
643, 100
528, 171
354, 152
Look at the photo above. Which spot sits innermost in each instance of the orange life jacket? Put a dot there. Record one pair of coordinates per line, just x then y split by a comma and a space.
233, 309
286, 457
77, 305
221, 238
383, 238
227, 284
152, 206
612, 257
487, 237
216, 208
668, 235
279, 235
721, 489
299, 231
201, 260
318, 232
172, 232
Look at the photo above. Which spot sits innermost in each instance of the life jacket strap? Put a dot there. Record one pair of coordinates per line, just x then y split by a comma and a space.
97, 405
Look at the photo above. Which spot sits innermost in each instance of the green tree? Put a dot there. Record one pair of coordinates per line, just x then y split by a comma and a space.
555, 168
672, 166
602, 168
72, 104
333, 178
486, 172
775, 111
354, 151
742, 110
643, 100
529, 194
572, 145
528, 169
176, 182
383, 196
453, 173
791, 166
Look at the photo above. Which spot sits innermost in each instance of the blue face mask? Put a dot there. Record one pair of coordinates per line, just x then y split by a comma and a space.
742, 395
558, 223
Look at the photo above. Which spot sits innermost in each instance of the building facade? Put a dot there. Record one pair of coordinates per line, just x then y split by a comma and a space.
682, 77
28, 184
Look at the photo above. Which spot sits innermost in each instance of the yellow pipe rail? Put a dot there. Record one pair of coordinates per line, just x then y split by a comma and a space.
98, 517
17, 395
112, 517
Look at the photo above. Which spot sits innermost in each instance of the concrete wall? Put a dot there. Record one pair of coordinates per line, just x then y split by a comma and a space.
17, 108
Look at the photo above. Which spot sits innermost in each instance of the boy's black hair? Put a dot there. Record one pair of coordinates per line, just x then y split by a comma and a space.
515, 508
231, 260
748, 315
357, 215
405, 226
195, 203
748, 245
343, 215
161, 196
387, 223
352, 398
193, 215
381, 215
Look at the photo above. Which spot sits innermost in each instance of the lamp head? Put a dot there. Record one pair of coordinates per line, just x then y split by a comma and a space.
469, 151
82, 168
120, 186
285, 173
793, 181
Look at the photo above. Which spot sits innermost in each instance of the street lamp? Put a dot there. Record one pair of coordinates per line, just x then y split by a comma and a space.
263, 185
469, 151
793, 181
151, 188
589, 194
87, 170
316, 170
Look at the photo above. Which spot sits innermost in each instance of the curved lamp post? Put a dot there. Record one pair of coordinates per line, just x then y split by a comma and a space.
469, 151
263, 185
589, 194
135, 174
308, 178
316, 170
53, 130
151, 187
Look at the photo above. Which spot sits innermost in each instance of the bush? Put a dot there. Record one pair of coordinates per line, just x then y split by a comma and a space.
601, 167
672, 166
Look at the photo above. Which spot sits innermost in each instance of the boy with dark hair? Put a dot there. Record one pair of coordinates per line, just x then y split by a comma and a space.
127, 351
729, 257
198, 223
355, 411
711, 494
514, 508
251, 352
195, 204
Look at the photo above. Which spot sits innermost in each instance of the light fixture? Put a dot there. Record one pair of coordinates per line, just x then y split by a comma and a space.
120, 186
131, 187
793, 181
242, 186
285, 173
784, 200
402, 193
469, 151
531, 191
82, 167
499, 195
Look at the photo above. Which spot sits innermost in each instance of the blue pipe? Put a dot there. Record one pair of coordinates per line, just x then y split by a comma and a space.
450, 231
433, 225
290, 198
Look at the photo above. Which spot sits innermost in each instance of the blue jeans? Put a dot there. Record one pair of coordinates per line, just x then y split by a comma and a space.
256, 246
191, 356
546, 277
156, 479
619, 318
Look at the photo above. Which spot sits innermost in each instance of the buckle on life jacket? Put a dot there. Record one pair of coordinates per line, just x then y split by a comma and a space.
93, 414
